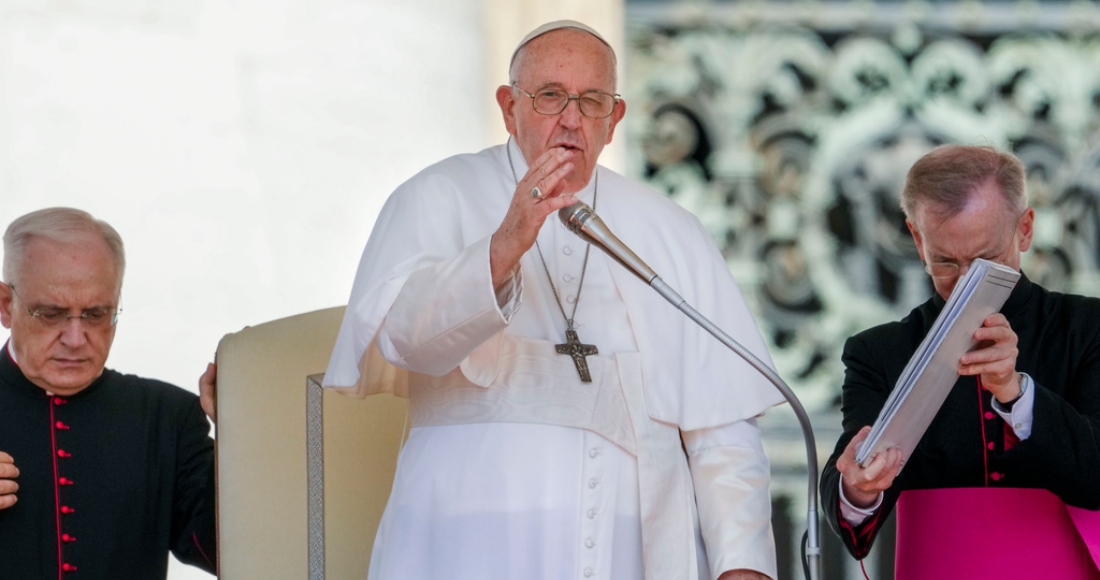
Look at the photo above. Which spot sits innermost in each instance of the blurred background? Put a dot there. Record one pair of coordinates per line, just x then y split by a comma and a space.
243, 150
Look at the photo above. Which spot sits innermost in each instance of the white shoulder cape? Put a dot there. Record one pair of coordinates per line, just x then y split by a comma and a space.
691, 380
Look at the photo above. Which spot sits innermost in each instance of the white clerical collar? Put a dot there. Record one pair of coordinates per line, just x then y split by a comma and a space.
11, 352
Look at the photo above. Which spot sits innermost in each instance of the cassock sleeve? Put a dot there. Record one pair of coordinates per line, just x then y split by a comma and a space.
1063, 452
423, 298
443, 312
864, 393
731, 474
193, 531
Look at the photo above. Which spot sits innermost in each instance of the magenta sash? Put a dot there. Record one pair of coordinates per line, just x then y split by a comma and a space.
1002, 533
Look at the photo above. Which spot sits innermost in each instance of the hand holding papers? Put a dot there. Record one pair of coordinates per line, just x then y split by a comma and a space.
928, 377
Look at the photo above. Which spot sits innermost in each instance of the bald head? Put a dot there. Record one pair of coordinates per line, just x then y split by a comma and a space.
559, 33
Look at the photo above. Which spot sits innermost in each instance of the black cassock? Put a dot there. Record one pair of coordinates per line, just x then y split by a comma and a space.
967, 444
111, 479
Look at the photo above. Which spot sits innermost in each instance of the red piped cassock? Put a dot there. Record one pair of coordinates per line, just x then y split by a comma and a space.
111, 479
967, 444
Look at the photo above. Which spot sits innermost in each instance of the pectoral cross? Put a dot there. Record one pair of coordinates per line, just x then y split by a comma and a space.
578, 351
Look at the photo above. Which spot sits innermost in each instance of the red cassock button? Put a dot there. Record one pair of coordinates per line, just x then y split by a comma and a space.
67, 538
59, 401
65, 481
67, 510
68, 567
990, 445
61, 425
63, 453
996, 476
989, 415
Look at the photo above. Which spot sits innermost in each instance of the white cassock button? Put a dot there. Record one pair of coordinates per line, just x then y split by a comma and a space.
592, 483
593, 452
567, 277
567, 251
571, 299
589, 543
588, 572
591, 514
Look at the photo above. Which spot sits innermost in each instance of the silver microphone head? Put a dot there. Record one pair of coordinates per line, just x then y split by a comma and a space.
581, 220
574, 217
577, 218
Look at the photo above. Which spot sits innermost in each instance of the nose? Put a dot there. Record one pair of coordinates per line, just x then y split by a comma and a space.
571, 116
963, 268
72, 332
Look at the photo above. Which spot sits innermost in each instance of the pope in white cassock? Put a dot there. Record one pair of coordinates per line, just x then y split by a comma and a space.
567, 422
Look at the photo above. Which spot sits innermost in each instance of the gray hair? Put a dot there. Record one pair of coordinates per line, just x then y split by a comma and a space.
60, 224
946, 176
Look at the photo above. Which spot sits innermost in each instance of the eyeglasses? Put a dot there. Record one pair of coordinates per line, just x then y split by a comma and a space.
593, 104
53, 316
947, 270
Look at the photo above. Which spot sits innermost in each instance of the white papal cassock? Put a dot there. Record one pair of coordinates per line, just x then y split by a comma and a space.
516, 469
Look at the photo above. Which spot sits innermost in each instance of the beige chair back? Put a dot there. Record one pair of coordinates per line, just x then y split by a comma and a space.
265, 452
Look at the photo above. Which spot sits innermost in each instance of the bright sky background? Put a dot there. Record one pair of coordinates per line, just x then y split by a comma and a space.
242, 149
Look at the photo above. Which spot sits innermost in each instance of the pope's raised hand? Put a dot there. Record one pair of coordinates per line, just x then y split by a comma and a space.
527, 212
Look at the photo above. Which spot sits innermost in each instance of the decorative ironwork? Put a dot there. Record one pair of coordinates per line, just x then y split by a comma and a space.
788, 127
791, 143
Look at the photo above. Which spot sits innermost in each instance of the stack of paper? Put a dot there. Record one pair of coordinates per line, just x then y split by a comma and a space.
928, 377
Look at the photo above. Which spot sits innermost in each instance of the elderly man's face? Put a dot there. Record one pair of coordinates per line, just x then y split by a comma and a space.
576, 62
66, 356
985, 228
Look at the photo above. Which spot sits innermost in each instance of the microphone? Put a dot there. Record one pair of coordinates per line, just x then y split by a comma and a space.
581, 220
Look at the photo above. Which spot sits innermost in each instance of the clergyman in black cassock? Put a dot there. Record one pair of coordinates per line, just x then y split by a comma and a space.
1025, 410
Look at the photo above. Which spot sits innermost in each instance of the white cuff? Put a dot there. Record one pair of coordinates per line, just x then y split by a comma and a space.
852, 514
1023, 410
510, 293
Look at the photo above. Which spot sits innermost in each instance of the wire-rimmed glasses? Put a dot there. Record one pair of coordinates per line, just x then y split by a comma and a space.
593, 104
53, 316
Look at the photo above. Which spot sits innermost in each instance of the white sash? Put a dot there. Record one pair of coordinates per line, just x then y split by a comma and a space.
535, 388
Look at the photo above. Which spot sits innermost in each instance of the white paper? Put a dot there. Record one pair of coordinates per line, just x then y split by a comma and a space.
933, 370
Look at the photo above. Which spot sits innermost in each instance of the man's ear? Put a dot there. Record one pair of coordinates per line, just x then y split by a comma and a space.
917, 239
616, 116
1026, 228
507, 101
6, 298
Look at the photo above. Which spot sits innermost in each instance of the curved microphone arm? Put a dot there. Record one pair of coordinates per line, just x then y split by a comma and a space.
813, 549
581, 220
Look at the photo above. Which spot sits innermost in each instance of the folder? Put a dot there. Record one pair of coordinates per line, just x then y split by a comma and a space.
933, 370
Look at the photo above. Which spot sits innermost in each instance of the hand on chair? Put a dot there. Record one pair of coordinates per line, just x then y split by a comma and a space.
8, 487
208, 391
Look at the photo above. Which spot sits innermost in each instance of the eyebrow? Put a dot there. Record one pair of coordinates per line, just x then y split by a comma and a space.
562, 87
39, 307
951, 259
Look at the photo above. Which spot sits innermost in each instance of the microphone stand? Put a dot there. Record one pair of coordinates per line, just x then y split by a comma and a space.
581, 220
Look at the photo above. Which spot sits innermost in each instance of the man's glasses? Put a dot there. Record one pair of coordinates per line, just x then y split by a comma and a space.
594, 104
53, 316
